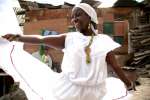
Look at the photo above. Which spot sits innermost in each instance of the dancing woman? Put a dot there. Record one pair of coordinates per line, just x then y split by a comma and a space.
84, 65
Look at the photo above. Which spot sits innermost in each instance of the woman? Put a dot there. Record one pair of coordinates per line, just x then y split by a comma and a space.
84, 65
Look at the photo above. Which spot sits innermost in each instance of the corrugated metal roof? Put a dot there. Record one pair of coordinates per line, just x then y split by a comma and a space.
20, 13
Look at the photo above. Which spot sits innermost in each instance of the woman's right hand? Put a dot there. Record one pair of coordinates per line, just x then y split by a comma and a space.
11, 37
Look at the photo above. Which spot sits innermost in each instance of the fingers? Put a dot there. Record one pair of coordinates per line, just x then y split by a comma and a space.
132, 87
9, 37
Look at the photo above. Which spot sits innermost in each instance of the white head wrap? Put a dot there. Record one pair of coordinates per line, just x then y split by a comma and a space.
89, 10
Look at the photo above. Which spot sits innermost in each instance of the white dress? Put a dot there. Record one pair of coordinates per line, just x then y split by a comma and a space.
78, 80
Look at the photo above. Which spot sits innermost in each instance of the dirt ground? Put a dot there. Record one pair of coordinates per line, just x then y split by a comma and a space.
143, 90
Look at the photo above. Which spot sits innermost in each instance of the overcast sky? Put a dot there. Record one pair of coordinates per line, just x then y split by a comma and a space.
105, 3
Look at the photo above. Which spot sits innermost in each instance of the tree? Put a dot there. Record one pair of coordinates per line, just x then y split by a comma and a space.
126, 3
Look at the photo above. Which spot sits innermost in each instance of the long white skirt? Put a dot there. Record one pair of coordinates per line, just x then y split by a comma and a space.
38, 80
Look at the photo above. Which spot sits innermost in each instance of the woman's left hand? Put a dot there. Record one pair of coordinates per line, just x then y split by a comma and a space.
131, 87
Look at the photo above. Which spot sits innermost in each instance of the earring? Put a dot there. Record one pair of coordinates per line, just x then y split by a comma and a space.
89, 27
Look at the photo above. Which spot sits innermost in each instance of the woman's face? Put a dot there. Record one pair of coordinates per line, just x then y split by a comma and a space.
80, 20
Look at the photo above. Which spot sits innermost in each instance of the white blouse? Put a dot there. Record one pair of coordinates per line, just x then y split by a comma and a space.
74, 64
77, 73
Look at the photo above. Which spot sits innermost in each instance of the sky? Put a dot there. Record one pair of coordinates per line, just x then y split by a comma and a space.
105, 3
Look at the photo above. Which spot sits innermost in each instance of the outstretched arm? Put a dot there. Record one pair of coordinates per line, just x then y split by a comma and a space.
110, 59
56, 41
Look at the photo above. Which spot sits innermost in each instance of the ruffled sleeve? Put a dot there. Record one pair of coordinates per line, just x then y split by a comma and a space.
69, 41
105, 44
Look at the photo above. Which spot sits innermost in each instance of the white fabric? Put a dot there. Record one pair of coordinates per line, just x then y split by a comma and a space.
8, 24
80, 72
8, 18
78, 81
89, 10
33, 75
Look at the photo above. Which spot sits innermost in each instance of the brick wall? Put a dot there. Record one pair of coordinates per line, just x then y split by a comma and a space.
60, 25
46, 14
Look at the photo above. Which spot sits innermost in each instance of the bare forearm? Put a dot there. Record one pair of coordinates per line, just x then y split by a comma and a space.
33, 39
121, 75
117, 68
55, 41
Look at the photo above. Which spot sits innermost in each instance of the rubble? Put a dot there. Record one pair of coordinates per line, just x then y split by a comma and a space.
140, 44
15, 93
